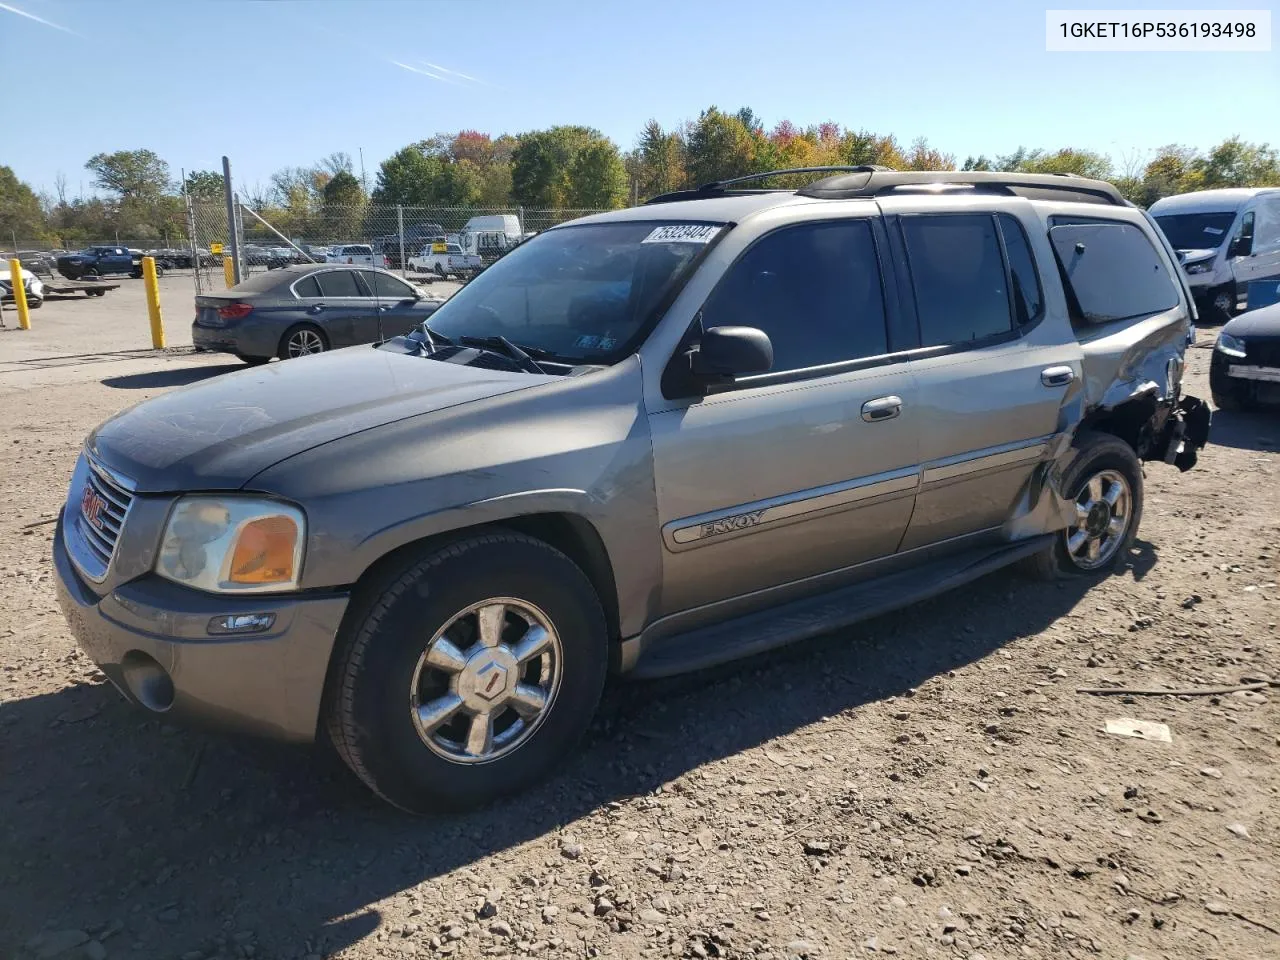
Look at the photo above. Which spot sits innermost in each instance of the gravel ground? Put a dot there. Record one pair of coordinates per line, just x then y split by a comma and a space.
930, 784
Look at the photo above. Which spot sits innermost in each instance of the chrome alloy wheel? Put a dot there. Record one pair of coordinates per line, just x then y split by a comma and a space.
1224, 301
1104, 510
304, 342
486, 680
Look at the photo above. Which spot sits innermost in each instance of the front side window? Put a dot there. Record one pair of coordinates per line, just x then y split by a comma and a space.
957, 274
580, 293
385, 285
813, 288
339, 283
1111, 270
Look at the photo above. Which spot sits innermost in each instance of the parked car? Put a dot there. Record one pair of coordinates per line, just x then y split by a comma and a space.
650, 440
100, 262
1226, 239
36, 261
304, 309
445, 260
356, 254
31, 283
1245, 370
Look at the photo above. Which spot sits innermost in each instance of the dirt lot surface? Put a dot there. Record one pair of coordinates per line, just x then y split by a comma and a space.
930, 784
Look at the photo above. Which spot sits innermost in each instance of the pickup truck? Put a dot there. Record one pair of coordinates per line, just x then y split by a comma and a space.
445, 260
359, 254
101, 261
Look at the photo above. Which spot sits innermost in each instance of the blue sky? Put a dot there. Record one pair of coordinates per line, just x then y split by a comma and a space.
273, 83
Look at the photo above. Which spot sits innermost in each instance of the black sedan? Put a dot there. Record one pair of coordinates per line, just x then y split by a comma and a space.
1245, 370
307, 308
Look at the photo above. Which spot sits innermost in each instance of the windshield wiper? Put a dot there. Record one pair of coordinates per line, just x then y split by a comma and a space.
429, 338
507, 349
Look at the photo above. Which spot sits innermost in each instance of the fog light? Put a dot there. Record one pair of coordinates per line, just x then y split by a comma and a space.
242, 623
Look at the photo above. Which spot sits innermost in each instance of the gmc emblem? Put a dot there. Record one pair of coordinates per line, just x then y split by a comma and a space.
91, 506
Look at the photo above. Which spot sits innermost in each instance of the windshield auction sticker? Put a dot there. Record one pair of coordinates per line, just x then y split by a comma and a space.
683, 233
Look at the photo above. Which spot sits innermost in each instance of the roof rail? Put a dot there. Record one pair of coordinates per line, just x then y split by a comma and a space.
1034, 186
720, 187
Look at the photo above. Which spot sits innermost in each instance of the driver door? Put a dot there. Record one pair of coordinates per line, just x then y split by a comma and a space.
808, 469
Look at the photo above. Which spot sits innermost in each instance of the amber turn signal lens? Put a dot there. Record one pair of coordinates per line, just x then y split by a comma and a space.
265, 552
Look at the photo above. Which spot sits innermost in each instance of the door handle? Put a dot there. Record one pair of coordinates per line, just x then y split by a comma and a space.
384, 307
315, 308
882, 408
1057, 376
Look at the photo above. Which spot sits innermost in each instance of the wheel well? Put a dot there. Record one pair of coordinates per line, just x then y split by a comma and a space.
1130, 421
572, 535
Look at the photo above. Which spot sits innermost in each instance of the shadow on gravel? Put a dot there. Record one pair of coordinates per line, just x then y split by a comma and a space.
1251, 430
175, 377
107, 816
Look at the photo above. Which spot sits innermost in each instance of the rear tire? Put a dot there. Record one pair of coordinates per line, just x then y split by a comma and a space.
302, 339
416, 746
1108, 512
252, 361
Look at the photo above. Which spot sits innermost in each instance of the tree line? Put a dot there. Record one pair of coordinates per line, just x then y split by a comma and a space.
563, 167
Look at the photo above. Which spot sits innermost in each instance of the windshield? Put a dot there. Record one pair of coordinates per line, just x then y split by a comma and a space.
1196, 231
581, 294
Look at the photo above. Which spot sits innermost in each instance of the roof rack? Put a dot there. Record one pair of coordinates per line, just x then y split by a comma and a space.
845, 183
1033, 186
720, 187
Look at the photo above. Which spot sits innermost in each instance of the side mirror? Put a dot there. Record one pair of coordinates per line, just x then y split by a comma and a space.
1240, 247
728, 352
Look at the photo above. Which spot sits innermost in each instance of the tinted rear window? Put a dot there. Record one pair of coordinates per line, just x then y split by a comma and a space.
1111, 270
307, 287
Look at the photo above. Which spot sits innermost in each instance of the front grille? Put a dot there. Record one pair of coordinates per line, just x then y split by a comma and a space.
101, 515
1262, 351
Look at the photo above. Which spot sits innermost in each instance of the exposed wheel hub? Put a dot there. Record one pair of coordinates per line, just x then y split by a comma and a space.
1099, 517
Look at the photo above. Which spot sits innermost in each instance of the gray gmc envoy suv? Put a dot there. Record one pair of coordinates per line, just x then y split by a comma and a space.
645, 442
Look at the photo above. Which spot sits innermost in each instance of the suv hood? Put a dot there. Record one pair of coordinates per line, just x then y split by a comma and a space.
219, 434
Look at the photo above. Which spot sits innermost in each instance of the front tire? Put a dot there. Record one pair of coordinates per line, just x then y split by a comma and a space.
1105, 483
252, 361
469, 675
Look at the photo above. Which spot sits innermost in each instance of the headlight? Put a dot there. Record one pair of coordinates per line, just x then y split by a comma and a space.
1202, 267
1231, 346
233, 544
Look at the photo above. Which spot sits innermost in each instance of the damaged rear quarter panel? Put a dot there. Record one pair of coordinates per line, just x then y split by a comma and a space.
1124, 360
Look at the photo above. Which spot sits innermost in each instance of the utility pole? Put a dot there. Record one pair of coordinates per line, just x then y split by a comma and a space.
364, 181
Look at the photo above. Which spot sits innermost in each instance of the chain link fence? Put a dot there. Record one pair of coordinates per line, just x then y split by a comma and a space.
396, 237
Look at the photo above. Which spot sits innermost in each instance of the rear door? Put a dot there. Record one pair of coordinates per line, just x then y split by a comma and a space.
342, 311
395, 308
993, 368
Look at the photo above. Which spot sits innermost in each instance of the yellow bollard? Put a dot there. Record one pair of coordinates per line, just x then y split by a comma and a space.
229, 271
19, 294
153, 301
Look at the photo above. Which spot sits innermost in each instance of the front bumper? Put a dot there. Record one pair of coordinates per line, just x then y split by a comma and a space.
150, 637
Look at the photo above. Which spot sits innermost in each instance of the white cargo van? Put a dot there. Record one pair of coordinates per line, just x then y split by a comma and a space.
489, 237
1226, 240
